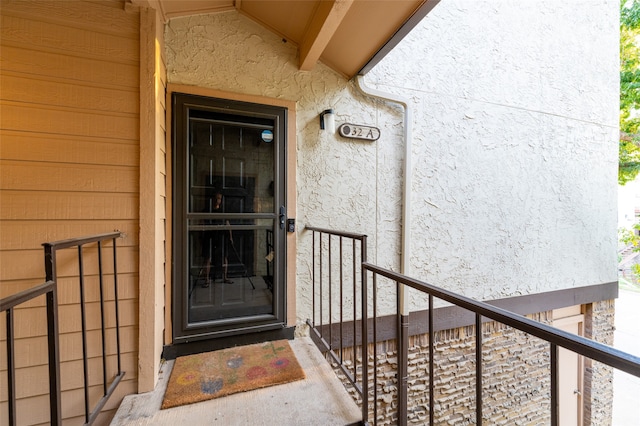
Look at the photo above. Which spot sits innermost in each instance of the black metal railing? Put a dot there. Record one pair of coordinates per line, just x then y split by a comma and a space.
8, 305
363, 341
50, 290
330, 339
51, 251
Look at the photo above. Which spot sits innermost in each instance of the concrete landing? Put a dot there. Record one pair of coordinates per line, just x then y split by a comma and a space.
320, 399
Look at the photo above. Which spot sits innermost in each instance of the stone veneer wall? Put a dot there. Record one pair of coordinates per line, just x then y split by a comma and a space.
516, 376
598, 378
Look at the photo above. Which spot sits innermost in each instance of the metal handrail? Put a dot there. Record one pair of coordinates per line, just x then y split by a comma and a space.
352, 235
556, 338
50, 252
324, 342
578, 344
8, 305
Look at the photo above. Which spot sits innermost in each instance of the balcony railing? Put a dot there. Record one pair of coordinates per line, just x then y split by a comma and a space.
109, 380
330, 341
368, 285
8, 305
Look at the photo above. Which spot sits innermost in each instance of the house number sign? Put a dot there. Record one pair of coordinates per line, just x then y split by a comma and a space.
357, 131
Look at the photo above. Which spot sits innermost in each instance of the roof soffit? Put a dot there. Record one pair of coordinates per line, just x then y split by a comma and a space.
344, 34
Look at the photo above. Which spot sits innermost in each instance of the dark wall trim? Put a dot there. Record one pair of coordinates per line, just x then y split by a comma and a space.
405, 29
452, 317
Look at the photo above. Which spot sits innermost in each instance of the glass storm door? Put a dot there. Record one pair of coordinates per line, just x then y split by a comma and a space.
228, 209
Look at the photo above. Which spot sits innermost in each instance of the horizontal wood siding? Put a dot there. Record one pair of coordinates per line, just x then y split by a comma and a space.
69, 167
153, 202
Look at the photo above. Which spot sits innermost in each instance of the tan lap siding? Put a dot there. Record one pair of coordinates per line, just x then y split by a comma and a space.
69, 167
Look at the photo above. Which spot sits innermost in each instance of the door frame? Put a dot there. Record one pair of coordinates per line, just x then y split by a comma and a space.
290, 168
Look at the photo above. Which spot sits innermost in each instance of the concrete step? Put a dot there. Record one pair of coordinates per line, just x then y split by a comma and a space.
319, 399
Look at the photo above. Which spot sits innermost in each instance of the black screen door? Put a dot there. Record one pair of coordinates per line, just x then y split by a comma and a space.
228, 180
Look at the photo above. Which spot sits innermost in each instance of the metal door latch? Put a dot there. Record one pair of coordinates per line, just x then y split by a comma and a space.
282, 216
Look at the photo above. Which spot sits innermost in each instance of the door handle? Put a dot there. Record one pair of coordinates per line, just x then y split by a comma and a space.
282, 217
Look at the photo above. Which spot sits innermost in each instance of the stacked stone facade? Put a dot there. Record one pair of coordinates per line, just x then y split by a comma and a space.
516, 376
598, 378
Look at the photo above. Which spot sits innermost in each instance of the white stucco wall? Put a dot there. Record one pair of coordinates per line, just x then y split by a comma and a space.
336, 178
514, 151
515, 155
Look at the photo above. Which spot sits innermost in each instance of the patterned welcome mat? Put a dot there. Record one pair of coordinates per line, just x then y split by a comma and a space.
211, 375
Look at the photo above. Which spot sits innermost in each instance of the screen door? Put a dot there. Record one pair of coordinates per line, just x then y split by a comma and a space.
229, 211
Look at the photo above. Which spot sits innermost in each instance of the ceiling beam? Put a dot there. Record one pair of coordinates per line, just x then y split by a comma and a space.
323, 25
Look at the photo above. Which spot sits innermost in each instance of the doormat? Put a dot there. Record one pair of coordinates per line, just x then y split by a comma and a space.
209, 375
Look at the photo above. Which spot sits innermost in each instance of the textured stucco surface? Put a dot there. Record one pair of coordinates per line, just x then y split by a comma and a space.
336, 179
514, 149
514, 155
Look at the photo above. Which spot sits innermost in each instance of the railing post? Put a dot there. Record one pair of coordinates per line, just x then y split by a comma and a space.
403, 359
365, 336
355, 310
313, 278
11, 368
478, 369
431, 363
102, 321
341, 306
330, 296
374, 339
554, 385
320, 281
83, 323
55, 404
116, 304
